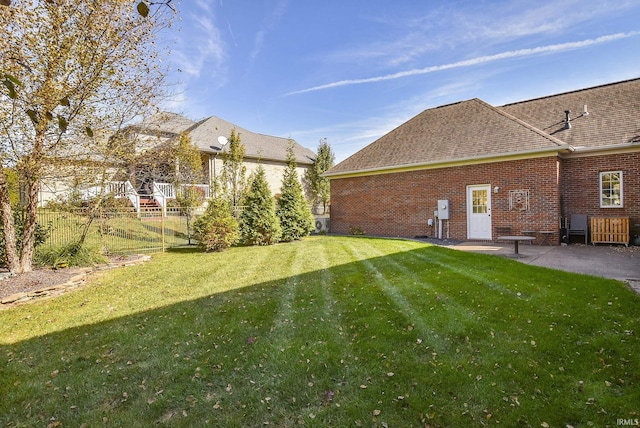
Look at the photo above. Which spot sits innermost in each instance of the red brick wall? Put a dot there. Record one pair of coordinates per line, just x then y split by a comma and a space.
580, 185
399, 204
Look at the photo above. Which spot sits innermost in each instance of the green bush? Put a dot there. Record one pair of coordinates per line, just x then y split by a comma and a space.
69, 255
217, 229
18, 217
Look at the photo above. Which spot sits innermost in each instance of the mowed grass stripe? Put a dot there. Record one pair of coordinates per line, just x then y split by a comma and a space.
417, 284
406, 366
353, 353
313, 346
378, 269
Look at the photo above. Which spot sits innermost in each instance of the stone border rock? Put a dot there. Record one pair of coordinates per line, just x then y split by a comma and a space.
72, 283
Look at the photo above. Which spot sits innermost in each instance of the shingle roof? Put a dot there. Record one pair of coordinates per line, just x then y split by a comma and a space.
464, 130
207, 134
475, 130
613, 114
164, 123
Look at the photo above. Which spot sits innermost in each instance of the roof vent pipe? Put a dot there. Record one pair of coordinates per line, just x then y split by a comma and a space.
584, 111
567, 119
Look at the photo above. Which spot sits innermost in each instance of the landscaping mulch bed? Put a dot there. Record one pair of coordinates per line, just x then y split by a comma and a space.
37, 279
48, 278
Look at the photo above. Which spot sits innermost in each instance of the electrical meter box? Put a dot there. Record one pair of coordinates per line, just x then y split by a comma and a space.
443, 209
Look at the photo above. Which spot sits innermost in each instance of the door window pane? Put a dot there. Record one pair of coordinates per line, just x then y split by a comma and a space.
479, 201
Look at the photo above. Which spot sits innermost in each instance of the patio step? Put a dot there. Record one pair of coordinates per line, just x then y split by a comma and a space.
149, 204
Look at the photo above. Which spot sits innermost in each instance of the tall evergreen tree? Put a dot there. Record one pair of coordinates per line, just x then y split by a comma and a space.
259, 224
320, 188
233, 177
293, 211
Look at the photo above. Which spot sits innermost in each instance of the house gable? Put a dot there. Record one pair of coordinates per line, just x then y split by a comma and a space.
452, 134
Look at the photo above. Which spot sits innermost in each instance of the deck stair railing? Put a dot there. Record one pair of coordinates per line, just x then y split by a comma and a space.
126, 190
166, 189
119, 189
202, 187
162, 192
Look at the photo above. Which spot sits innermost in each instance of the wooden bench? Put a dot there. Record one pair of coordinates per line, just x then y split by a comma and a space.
610, 230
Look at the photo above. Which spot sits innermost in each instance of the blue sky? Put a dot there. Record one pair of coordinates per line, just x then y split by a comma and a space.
351, 71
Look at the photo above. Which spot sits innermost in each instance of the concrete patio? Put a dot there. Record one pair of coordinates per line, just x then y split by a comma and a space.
608, 261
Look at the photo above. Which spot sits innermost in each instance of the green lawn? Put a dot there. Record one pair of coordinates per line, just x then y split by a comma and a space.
331, 331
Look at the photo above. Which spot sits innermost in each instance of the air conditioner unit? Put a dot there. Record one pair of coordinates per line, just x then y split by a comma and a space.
322, 224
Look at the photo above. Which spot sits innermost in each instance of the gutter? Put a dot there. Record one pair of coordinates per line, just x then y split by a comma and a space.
500, 157
579, 151
215, 151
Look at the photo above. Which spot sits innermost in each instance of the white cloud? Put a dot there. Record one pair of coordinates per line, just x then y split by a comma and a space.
200, 45
447, 27
268, 25
548, 49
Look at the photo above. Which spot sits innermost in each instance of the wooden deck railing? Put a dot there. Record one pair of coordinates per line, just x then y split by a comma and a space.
610, 230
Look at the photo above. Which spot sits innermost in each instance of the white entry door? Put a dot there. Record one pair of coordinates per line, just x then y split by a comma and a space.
479, 212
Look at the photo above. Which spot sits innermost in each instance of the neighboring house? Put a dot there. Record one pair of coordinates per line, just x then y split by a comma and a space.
82, 173
210, 136
510, 170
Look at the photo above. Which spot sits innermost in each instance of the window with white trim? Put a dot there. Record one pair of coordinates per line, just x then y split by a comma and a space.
611, 189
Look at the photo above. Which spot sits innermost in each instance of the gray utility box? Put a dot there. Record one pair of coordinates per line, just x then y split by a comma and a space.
443, 209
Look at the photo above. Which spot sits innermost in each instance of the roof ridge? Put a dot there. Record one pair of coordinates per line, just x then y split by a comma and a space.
590, 88
521, 122
240, 128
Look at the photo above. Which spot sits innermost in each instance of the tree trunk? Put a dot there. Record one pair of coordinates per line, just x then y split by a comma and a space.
30, 168
8, 227
30, 222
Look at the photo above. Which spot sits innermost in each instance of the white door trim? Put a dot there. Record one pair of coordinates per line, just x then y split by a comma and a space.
479, 222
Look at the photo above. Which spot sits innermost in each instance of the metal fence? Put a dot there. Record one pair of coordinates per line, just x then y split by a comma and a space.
116, 231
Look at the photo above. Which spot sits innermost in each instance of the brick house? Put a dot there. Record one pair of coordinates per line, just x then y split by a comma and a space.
516, 169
